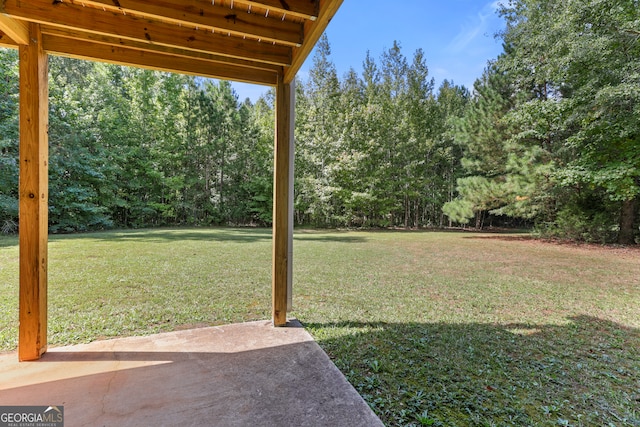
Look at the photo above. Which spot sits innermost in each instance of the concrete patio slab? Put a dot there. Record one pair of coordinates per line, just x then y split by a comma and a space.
248, 374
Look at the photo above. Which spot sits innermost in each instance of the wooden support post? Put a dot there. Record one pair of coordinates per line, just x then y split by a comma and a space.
282, 202
292, 144
34, 194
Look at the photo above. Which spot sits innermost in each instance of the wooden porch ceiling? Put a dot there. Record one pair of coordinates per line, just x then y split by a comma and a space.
240, 40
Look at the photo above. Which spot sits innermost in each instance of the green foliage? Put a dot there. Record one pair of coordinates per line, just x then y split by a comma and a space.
587, 224
552, 121
136, 148
578, 61
459, 210
587, 215
483, 134
76, 166
373, 151
8, 140
555, 114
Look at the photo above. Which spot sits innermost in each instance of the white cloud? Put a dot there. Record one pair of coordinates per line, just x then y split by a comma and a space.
474, 26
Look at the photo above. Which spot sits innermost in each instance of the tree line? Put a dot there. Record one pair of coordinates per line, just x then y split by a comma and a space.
548, 137
553, 131
139, 148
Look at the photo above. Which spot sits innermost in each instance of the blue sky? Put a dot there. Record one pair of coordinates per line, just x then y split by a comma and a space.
457, 37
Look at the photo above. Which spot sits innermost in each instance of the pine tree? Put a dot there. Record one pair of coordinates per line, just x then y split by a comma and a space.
582, 57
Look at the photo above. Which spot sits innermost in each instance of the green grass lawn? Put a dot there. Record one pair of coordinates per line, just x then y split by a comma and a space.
431, 328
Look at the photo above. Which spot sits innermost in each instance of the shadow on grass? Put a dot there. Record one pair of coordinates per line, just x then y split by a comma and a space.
558, 242
506, 237
175, 235
329, 236
586, 372
233, 235
8, 241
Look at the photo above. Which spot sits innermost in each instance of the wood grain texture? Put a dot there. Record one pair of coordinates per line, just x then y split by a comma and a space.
18, 31
156, 61
33, 188
305, 9
67, 15
282, 176
6, 41
208, 16
261, 34
312, 32
116, 42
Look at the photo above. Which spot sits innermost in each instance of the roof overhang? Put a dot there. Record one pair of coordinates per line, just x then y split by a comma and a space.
240, 40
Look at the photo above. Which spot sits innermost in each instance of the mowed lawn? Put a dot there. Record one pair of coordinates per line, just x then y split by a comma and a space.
432, 328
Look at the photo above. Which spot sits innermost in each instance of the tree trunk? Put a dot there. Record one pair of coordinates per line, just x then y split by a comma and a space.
406, 211
627, 219
479, 220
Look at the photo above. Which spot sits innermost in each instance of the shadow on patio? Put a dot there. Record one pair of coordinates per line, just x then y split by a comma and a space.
248, 374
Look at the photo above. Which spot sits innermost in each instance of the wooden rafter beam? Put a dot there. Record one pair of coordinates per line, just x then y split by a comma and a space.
312, 32
206, 15
305, 9
18, 31
6, 41
70, 16
156, 61
153, 48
